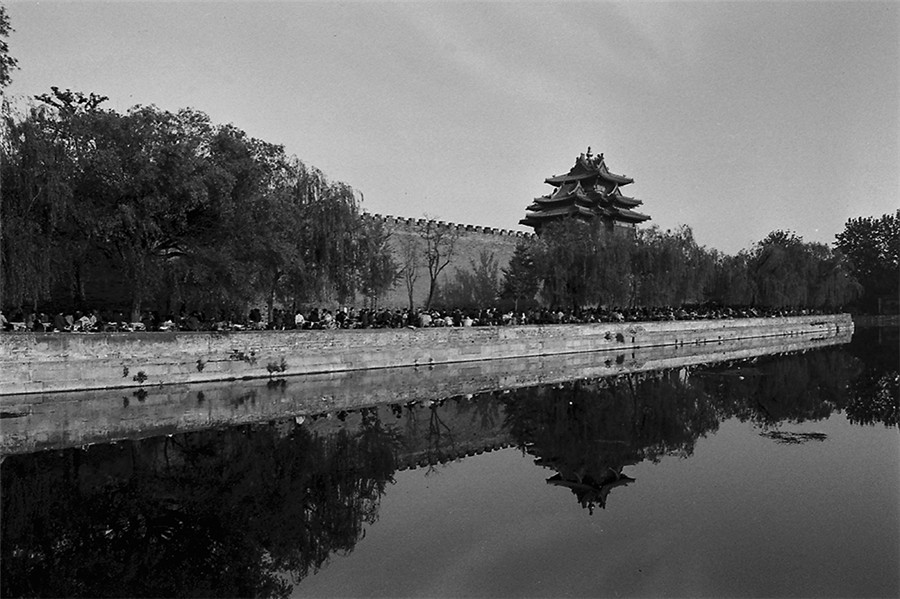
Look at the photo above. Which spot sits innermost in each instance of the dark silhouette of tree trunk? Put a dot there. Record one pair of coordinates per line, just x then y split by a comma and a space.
410, 251
440, 247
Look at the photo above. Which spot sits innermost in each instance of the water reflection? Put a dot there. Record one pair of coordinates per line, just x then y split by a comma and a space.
588, 431
216, 513
873, 392
251, 510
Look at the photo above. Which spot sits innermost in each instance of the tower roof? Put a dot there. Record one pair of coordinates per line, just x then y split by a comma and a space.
588, 167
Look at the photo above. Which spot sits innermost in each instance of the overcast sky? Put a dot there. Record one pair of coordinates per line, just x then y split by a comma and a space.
734, 118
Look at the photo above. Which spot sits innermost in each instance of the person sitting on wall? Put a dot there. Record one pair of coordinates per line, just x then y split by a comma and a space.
193, 322
83, 322
168, 324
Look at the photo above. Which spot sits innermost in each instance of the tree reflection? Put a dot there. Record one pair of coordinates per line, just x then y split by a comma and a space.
223, 513
875, 398
875, 392
589, 431
783, 388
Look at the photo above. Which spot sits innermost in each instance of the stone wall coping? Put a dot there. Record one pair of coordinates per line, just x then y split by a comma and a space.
421, 222
53, 362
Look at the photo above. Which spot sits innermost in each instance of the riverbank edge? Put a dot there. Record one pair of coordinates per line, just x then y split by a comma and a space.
35, 422
47, 363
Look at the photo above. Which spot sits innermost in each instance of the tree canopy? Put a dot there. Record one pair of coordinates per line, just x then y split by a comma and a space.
872, 246
174, 208
7, 62
575, 264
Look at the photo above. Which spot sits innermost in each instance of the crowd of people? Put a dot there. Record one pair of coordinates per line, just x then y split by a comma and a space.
368, 318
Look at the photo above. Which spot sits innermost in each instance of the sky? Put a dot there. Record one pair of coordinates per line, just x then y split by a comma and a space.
735, 118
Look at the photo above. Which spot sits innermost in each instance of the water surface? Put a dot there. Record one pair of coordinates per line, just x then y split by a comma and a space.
775, 476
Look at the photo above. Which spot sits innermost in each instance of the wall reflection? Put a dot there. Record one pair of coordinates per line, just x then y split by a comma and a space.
252, 509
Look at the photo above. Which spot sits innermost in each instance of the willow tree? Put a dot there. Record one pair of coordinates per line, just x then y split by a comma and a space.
787, 271
670, 267
568, 259
731, 283
155, 203
377, 269
31, 209
284, 233
52, 164
581, 264
174, 208
328, 224
476, 286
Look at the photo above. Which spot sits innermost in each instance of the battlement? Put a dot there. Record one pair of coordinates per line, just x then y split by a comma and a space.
417, 223
429, 458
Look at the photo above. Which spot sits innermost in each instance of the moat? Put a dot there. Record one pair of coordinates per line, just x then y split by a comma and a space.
773, 475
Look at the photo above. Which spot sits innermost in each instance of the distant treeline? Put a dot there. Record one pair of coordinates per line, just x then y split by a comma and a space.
180, 212
576, 264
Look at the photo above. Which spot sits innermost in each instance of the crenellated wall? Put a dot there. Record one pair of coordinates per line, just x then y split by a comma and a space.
471, 242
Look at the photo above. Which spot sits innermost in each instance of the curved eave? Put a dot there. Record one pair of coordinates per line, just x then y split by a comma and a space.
549, 203
620, 179
570, 210
544, 200
630, 215
538, 207
558, 180
625, 201
566, 193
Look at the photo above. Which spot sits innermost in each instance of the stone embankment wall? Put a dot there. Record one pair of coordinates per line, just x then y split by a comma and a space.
471, 242
49, 362
37, 421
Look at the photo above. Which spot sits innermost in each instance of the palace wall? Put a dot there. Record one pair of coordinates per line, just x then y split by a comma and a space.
472, 241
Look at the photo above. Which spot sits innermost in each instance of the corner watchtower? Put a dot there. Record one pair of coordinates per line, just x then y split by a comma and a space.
589, 191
